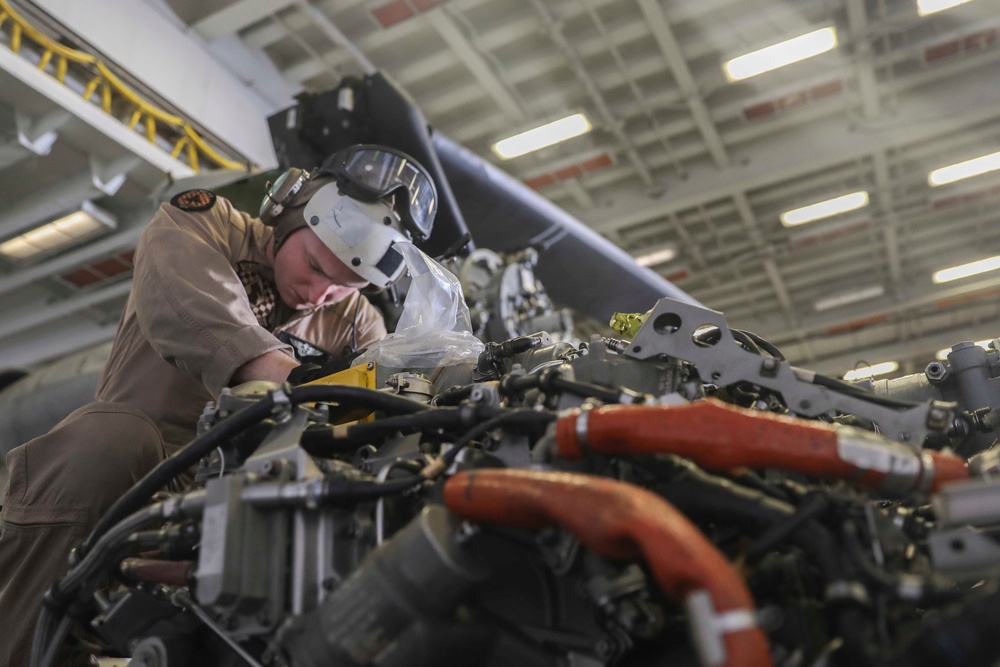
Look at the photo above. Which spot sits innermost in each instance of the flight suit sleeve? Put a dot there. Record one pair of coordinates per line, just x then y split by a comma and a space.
190, 304
371, 325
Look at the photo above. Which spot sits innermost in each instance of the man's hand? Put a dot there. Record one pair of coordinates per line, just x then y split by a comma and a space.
310, 372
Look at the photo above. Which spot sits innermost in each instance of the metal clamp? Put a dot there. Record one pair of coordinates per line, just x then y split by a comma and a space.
709, 626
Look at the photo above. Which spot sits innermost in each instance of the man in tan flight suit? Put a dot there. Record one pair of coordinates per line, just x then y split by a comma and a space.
211, 290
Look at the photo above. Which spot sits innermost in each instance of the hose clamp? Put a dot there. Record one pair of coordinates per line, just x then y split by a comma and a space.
868, 451
583, 429
709, 626
281, 400
927, 473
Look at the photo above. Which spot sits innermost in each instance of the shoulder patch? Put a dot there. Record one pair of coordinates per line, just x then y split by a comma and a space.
194, 200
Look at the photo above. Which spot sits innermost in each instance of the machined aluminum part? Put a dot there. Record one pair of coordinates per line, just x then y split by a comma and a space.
673, 329
973, 503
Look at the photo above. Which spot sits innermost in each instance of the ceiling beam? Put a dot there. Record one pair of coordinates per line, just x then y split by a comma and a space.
64, 197
914, 298
471, 59
825, 145
50, 312
674, 56
321, 21
27, 351
38, 133
119, 241
890, 222
611, 122
916, 348
236, 17
864, 63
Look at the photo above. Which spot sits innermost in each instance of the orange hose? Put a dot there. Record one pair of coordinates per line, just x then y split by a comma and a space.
621, 521
718, 436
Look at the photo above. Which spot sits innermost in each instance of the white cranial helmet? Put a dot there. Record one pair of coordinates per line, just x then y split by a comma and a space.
361, 234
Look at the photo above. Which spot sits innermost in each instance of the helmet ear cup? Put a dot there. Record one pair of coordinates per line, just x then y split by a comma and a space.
280, 193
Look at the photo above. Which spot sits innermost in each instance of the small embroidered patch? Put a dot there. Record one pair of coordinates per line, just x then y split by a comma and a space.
194, 200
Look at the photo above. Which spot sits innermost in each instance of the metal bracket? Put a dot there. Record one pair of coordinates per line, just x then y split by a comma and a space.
673, 328
964, 551
39, 133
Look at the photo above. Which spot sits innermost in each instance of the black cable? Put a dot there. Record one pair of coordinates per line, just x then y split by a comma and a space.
746, 342
931, 592
120, 520
750, 479
437, 418
856, 392
764, 344
779, 532
175, 465
344, 492
523, 415
453, 395
172, 467
47, 642
341, 491
321, 441
550, 379
705, 497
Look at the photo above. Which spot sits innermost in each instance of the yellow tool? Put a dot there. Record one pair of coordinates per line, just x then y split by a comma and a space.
628, 324
355, 376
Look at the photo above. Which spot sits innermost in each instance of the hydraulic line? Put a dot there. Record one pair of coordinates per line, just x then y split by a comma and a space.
622, 521
719, 436
183, 459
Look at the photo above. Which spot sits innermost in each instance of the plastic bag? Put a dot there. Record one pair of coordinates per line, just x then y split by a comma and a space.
434, 329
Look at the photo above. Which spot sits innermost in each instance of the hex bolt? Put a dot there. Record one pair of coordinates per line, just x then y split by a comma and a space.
936, 371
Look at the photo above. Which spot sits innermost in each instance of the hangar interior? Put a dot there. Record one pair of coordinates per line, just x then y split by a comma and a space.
838, 206
679, 158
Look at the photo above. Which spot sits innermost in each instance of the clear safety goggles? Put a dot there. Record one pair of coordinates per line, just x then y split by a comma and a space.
368, 172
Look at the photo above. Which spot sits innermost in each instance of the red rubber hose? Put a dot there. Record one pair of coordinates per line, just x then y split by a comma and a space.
719, 436
621, 521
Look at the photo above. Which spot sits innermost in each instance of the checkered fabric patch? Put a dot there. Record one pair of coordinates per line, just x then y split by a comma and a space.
260, 291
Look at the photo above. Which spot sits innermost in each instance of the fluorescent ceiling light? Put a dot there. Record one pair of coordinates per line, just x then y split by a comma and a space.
871, 371
661, 256
825, 209
925, 7
942, 355
54, 236
540, 137
966, 270
850, 297
781, 54
967, 169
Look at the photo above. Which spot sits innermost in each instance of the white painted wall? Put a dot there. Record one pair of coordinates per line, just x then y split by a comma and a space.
146, 39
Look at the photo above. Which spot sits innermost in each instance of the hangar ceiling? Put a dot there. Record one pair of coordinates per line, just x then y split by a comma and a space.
679, 157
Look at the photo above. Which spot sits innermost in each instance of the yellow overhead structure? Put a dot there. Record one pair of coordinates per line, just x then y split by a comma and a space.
105, 83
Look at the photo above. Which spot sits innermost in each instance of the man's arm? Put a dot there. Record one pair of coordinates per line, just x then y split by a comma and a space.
190, 303
274, 366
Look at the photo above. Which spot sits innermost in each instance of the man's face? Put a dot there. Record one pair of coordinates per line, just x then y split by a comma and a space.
308, 274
